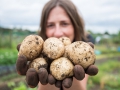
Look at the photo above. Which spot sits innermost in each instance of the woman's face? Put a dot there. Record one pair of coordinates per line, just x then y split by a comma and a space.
59, 24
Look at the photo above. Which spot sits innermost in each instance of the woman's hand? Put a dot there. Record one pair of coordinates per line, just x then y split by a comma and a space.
33, 77
79, 72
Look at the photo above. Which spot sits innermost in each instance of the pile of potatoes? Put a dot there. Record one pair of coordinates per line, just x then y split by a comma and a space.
58, 55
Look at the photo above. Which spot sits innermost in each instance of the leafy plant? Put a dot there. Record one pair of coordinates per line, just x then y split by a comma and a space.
8, 56
19, 86
107, 75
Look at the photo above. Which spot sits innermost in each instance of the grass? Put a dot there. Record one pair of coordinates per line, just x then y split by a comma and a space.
109, 55
15, 82
9, 77
108, 76
107, 52
19, 86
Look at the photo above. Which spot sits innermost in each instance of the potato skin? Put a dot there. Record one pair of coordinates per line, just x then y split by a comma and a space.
38, 63
65, 40
53, 48
61, 68
31, 47
80, 53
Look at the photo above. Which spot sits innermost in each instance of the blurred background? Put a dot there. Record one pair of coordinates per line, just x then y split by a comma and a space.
19, 18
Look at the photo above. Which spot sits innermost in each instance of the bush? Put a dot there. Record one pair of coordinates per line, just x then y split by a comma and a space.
8, 56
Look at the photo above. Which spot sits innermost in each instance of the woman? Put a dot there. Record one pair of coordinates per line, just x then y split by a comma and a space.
60, 18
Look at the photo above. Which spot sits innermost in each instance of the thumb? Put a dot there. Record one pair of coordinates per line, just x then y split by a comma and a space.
21, 65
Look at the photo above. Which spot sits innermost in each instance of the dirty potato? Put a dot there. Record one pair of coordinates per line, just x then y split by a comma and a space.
80, 53
61, 68
38, 63
53, 48
65, 40
31, 47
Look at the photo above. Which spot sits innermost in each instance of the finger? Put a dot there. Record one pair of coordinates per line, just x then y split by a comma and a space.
32, 78
51, 79
91, 44
18, 47
21, 65
43, 76
58, 84
79, 72
67, 83
92, 70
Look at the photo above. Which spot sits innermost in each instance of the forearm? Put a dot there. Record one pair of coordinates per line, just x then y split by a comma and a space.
83, 83
76, 85
79, 85
47, 87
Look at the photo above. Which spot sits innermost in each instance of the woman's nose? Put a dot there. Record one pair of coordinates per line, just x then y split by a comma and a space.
58, 32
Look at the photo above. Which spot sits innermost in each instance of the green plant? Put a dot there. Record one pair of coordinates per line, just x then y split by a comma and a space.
8, 56
107, 75
19, 86
9, 77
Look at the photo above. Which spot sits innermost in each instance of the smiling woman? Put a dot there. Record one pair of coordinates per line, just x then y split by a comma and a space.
62, 13
59, 18
59, 24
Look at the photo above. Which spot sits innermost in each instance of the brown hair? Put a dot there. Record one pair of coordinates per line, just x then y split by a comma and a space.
72, 12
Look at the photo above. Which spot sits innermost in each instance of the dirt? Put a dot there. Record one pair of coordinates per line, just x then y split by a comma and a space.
100, 61
4, 86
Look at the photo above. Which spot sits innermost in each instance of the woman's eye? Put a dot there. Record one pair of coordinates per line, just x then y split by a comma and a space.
50, 25
64, 24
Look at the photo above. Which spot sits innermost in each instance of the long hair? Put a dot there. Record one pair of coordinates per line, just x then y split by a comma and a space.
73, 14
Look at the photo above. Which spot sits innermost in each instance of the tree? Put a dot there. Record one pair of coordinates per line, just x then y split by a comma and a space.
107, 33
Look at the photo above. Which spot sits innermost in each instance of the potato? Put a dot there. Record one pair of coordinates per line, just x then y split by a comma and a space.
53, 48
80, 53
61, 68
38, 63
31, 46
65, 40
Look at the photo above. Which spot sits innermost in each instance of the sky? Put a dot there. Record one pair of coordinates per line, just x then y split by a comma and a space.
99, 15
